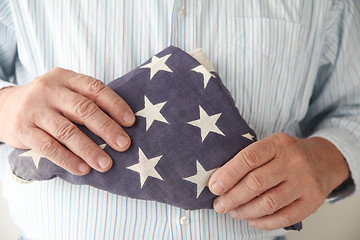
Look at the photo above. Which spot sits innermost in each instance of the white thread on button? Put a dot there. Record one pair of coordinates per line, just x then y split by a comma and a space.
184, 220
180, 11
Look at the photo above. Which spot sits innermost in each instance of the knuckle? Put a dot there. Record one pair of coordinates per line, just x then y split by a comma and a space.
56, 70
26, 104
253, 182
285, 220
285, 140
87, 151
40, 84
237, 216
270, 205
281, 136
66, 131
96, 86
65, 161
85, 108
244, 213
118, 102
44, 82
107, 127
249, 159
48, 148
229, 175
231, 201
21, 129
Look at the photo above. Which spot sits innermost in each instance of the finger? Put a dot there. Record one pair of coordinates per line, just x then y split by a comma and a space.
251, 157
45, 145
84, 111
289, 215
268, 203
253, 184
103, 96
74, 139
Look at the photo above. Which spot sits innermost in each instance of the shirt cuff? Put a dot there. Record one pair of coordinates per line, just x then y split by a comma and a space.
4, 84
350, 149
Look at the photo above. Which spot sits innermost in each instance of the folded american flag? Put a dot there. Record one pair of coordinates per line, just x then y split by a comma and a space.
187, 126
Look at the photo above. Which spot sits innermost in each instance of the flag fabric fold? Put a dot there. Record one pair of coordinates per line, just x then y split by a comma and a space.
187, 126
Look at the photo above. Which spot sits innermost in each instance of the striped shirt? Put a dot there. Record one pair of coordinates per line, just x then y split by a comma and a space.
291, 66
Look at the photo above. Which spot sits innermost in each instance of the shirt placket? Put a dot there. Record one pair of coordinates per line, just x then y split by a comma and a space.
180, 221
177, 24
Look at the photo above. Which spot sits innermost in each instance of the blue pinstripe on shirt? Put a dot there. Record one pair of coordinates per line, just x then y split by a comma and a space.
291, 66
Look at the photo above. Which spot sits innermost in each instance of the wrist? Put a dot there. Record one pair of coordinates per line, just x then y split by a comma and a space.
328, 162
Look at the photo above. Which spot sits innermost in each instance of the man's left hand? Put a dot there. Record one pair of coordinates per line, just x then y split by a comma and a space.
279, 180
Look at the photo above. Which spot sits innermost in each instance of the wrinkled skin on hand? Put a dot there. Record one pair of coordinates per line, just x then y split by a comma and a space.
42, 116
278, 181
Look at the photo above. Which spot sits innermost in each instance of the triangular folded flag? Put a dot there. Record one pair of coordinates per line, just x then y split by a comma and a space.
187, 126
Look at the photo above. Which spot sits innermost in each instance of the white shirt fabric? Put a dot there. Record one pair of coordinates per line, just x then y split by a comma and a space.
291, 66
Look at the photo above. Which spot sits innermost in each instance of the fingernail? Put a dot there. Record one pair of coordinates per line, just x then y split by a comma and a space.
104, 162
122, 140
217, 188
234, 214
219, 206
83, 167
129, 117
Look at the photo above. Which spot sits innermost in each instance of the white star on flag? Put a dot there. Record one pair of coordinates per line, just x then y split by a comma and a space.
248, 136
157, 64
35, 157
146, 167
207, 123
151, 112
102, 146
206, 74
201, 178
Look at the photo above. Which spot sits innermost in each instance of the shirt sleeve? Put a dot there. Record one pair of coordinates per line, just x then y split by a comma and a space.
334, 111
8, 53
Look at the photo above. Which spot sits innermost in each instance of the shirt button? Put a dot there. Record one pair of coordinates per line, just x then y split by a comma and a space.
180, 11
184, 221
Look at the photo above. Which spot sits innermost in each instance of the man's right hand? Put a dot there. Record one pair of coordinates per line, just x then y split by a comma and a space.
41, 116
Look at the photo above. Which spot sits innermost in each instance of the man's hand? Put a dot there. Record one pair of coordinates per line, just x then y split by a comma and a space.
41, 116
278, 181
